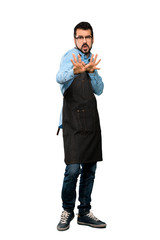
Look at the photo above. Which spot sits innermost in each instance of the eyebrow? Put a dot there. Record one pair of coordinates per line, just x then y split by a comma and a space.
84, 36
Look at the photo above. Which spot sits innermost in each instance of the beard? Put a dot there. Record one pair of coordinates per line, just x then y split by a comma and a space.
85, 48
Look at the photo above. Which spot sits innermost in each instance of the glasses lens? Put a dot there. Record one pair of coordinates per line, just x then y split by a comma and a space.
88, 37
81, 38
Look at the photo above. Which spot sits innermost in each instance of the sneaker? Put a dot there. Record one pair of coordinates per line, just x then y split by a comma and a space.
90, 220
66, 218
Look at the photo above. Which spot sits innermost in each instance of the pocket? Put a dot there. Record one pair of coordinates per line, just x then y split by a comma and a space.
85, 119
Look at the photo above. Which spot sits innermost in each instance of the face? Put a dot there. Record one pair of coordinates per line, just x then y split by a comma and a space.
83, 40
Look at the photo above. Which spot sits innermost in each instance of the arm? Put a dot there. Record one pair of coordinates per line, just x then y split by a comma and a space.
65, 72
96, 80
97, 83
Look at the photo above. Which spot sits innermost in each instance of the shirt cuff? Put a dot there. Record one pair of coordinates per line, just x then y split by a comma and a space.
93, 75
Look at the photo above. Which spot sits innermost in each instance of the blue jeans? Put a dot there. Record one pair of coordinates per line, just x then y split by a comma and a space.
72, 171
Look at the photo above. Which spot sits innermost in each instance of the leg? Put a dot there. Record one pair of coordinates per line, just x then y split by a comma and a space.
86, 186
69, 186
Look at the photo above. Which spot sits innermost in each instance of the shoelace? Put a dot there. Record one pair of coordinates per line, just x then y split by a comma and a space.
64, 216
90, 215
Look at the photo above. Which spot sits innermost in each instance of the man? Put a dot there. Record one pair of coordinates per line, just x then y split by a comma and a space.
79, 80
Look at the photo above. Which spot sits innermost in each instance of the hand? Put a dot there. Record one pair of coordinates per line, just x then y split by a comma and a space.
78, 66
92, 65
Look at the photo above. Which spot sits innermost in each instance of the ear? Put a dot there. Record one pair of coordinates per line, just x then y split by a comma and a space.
74, 41
92, 40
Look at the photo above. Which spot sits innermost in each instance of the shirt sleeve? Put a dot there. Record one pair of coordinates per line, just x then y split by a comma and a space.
65, 72
97, 83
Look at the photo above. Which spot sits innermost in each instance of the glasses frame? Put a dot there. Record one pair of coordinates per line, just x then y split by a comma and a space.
81, 38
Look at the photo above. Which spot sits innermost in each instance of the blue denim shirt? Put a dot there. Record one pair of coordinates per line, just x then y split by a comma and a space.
65, 75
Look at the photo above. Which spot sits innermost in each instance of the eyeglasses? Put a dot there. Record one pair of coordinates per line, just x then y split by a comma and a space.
81, 38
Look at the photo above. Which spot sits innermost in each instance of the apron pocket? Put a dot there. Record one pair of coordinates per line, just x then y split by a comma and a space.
86, 119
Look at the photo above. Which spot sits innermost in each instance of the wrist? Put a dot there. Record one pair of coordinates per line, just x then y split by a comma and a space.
91, 71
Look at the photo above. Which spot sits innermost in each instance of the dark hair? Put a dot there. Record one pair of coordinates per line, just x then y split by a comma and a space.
84, 26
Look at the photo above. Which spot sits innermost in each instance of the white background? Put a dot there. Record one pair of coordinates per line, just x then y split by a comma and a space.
34, 35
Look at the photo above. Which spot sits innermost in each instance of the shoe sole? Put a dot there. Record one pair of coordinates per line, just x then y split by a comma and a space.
63, 229
91, 225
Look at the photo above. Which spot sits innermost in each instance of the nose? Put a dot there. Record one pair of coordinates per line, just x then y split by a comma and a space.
84, 40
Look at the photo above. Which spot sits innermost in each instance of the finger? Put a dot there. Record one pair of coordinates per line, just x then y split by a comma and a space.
83, 64
95, 58
95, 68
98, 62
74, 56
86, 66
73, 62
91, 57
79, 58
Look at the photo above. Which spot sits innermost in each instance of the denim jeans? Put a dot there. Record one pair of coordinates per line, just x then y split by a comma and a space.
72, 171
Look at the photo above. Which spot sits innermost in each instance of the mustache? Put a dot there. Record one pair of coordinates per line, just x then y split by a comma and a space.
85, 44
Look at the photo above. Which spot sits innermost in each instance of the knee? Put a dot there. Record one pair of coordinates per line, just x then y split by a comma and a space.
93, 169
90, 169
72, 171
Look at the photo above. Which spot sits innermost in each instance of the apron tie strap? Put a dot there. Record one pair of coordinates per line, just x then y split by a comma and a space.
58, 131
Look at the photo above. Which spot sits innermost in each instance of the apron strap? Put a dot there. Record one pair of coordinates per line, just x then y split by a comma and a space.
58, 131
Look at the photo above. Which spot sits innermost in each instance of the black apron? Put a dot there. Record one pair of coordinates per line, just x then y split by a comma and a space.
81, 126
